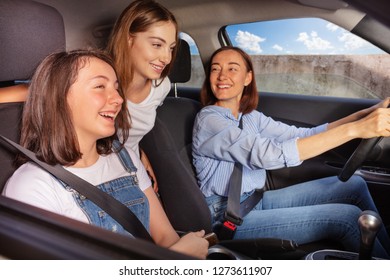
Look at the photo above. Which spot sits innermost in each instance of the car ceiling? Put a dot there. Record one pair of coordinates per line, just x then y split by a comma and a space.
379, 9
88, 22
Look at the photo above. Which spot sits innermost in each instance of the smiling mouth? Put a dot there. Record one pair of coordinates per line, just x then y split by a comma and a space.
158, 68
110, 116
223, 86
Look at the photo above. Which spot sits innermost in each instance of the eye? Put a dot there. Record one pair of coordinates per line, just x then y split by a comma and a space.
117, 86
156, 45
100, 86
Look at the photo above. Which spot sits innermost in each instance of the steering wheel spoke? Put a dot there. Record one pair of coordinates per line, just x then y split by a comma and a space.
357, 158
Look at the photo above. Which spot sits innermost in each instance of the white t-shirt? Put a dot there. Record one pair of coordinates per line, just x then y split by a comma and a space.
143, 115
33, 185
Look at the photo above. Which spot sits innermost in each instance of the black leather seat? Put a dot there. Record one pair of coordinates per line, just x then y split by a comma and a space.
29, 31
168, 148
181, 70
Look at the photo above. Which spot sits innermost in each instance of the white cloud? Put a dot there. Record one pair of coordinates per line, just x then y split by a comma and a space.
352, 42
313, 41
249, 42
332, 27
277, 47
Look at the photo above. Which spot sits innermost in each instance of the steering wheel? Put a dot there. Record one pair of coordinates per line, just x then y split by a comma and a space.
357, 158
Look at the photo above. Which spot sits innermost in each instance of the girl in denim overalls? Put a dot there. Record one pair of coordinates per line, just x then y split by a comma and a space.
73, 111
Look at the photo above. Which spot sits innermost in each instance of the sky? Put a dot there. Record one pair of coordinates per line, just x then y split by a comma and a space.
295, 36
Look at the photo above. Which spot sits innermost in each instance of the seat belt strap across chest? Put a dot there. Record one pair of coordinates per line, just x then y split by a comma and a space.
235, 210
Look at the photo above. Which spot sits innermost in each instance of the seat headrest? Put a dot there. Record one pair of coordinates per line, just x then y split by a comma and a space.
181, 69
29, 31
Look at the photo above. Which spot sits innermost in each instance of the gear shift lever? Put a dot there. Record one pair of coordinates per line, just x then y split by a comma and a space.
369, 223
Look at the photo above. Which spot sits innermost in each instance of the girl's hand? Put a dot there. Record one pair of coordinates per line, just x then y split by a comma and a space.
145, 161
192, 244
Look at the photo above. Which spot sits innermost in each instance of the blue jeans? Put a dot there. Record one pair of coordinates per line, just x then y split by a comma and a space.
321, 209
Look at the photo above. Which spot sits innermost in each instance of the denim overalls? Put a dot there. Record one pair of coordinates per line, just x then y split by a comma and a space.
124, 189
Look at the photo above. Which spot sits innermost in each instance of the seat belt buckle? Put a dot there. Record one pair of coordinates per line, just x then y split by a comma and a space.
227, 231
230, 226
233, 219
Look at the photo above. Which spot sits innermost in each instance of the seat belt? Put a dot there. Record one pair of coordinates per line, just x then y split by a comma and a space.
235, 210
117, 210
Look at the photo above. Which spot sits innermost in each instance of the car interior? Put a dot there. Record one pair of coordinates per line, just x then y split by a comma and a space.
30, 30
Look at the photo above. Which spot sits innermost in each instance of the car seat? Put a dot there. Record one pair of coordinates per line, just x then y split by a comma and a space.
168, 147
29, 31
181, 69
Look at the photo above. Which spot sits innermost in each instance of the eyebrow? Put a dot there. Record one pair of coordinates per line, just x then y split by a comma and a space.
103, 77
230, 63
161, 39
99, 77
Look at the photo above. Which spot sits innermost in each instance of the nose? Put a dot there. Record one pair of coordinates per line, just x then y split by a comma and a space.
115, 98
222, 74
166, 56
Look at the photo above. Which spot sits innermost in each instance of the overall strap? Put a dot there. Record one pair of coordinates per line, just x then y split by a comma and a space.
124, 157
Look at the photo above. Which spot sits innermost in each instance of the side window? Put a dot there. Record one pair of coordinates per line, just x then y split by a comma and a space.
312, 57
197, 70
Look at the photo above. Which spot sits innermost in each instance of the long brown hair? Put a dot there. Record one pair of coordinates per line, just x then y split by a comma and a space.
47, 127
250, 97
137, 17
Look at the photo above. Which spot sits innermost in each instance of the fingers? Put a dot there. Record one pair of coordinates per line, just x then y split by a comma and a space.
377, 124
200, 233
193, 244
386, 102
382, 104
153, 179
155, 186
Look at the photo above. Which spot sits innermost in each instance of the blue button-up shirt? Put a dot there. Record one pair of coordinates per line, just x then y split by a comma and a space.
262, 144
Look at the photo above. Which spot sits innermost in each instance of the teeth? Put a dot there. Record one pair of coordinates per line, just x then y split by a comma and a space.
223, 86
157, 67
107, 115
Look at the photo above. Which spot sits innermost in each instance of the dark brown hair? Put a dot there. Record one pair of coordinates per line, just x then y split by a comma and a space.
47, 127
250, 97
137, 17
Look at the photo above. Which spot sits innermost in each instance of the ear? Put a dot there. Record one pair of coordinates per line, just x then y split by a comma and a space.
248, 78
130, 40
